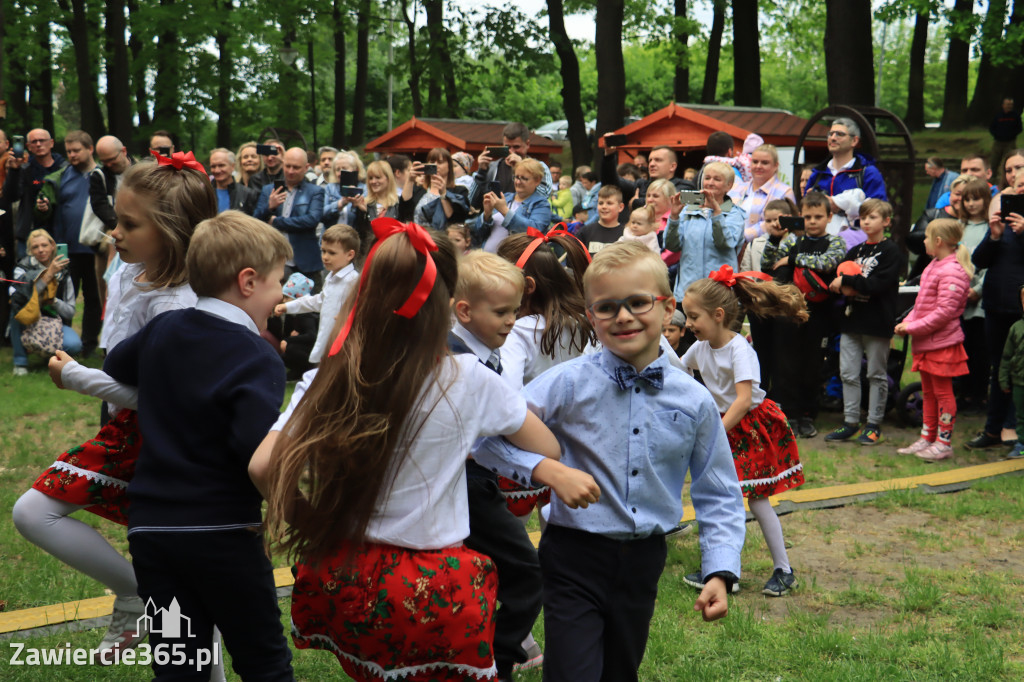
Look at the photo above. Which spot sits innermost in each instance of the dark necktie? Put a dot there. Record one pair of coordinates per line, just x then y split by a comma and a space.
494, 361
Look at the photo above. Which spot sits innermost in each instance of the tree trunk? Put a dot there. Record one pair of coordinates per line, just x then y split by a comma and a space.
81, 33
611, 71
707, 95
569, 67
849, 58
338, 129
1011, 75
168, 77
414, 66
746, 61
915, 82
362, 71
681, 35
435, 47
987, 95
225, 66
42, 96
954, 107
138, 68
119, 93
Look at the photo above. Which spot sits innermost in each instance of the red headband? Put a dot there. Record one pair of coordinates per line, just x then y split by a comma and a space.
422, 242
725, 275
539, 238
179, 160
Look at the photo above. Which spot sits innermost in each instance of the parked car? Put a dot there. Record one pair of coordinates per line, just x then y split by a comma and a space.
556, 130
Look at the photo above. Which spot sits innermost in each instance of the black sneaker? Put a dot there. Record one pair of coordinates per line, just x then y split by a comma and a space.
872, 435
806, 426
780, 583
844, 432
982, 441
680, 529
695, 580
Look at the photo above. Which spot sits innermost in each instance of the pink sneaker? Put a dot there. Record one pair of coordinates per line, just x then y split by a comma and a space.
936, 452
914, 448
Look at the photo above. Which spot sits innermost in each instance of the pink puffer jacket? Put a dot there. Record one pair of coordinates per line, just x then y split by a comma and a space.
934, 323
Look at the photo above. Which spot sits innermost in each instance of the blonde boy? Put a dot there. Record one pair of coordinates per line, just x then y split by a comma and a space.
338, 248
636, 423
487, 299
209, 390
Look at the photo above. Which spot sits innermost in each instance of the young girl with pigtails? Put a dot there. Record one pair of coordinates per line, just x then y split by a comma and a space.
763, 446
158, 206
365, 476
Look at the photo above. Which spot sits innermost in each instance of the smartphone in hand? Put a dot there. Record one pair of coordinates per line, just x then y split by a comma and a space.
62, 250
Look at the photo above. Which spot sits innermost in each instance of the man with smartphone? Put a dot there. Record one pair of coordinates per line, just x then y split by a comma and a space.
61, 209
25, 175
295, 206
272, 151
497, 164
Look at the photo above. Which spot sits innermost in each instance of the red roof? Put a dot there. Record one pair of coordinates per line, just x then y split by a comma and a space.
420, 135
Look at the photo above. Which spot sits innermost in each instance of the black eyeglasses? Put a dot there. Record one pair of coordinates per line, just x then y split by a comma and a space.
637, 304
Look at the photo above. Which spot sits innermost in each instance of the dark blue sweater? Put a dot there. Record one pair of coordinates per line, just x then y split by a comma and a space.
209, 391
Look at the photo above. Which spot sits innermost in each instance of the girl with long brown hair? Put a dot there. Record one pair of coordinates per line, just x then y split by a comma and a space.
366, 479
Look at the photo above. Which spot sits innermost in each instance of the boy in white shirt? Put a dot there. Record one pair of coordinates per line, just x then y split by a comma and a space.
338, 248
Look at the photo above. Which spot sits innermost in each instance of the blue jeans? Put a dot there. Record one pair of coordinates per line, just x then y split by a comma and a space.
72, 344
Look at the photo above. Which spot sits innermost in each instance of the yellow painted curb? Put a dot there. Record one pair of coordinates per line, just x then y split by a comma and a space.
97, 607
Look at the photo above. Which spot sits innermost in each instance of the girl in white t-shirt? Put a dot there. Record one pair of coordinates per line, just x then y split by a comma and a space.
368, 472
764, 449
158, 206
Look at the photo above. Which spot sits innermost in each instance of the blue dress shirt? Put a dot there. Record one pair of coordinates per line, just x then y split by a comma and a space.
637, 444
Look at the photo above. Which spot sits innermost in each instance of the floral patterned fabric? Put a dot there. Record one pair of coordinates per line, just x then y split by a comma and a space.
520, 500
391, 613
96, 473
765, 453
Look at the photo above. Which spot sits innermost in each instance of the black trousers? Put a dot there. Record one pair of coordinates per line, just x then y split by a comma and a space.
975, 386
82, 270
800, 354
221, 578
599, 597
1001, 413
494, 531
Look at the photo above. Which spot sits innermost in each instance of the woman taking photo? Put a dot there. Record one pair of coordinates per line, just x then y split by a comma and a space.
44, 271
515, 211
437, 201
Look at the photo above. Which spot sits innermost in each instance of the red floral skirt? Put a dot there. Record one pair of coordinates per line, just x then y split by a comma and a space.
520, 500
945, 362
96, 474
391, 613
764, 452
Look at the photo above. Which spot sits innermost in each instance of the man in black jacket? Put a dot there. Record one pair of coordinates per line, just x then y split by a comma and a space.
1005, 128
230, 194
25, 178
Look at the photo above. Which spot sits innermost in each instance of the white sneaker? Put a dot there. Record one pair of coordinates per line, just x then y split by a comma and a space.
20, 371
125, 630
935, 453
914, 448
534, 655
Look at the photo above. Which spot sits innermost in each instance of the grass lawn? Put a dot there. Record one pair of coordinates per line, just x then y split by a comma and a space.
907, 586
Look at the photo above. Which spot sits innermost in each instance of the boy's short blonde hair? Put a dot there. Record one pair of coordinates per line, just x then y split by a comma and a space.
481, 272
882, 208
228, 243
344, 236
624, 255
723, 169
610, 191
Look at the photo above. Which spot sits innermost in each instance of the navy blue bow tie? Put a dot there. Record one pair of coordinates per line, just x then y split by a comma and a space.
626, 376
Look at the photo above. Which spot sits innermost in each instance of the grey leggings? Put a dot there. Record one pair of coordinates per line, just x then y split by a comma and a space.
852, 347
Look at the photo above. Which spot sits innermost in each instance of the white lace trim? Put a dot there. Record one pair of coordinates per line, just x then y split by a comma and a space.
91, 475
399, 673
528, 492
774, 479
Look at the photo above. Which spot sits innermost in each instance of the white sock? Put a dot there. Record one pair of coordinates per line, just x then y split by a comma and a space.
44, 521
766, 517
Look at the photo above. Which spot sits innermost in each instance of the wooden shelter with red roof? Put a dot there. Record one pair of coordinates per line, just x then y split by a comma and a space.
685, 128
417, 136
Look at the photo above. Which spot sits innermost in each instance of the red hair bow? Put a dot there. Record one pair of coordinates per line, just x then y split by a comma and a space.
179, 160
423, 243
725, 275
539, 238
